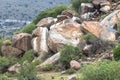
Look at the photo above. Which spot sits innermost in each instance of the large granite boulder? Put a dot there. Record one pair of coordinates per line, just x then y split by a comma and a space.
100, 30
39, 43
111, 19
22, 41
66, 32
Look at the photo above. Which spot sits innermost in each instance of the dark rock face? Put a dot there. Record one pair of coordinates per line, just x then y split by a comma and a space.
22, 41
95, 47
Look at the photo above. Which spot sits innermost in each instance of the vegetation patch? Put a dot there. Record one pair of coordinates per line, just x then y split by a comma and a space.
27, 29
53, 12
69, 53
116, 52
76, 3
27, 72
101, 71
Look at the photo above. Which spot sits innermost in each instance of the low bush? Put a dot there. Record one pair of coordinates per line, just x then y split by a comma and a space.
28, 56
27, 29
7, 42
77, 3
116, 52
53, 12
101, 71
70, 71
89, 37
4, 63
47, 67
118, 25
27, 72
4, 77
69, 53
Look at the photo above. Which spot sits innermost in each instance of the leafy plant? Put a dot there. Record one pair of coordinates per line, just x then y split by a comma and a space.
88, 37
77, 3
70, 71
53, 12
4, 62
27, 72
28, 56
47, 67
69, 53
116, 52
27, 29
118, 26
101, 71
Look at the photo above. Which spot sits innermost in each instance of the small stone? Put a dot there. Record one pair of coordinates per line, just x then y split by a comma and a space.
75, 65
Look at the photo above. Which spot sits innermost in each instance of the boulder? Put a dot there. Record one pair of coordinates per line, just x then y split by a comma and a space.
10, 51
46, 22
14, 68
52, 60
39, 43
85, 8
88, 50
69, 13
100, 30
111, 19
62, 17
105, 9
97, 3
72, 77
75, 65
22, 41
66, 32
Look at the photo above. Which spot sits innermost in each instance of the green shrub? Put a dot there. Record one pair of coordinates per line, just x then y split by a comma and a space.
70, 71
4, 63
47, 67
27, 72
116, 52
101, 71
28, 56
27, 29
7, 42
69, 53
53, 12
4, 77
77, 3
88, 37
118, 25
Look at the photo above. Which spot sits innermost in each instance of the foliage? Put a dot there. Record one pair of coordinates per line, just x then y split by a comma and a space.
4, 62
28, 56
53, 12
27, 72
69, 53
116, 52
70, 71
47, 67
101, 71
7, 42
77, 3
27, 29
4, 77
118, 26
88, 37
